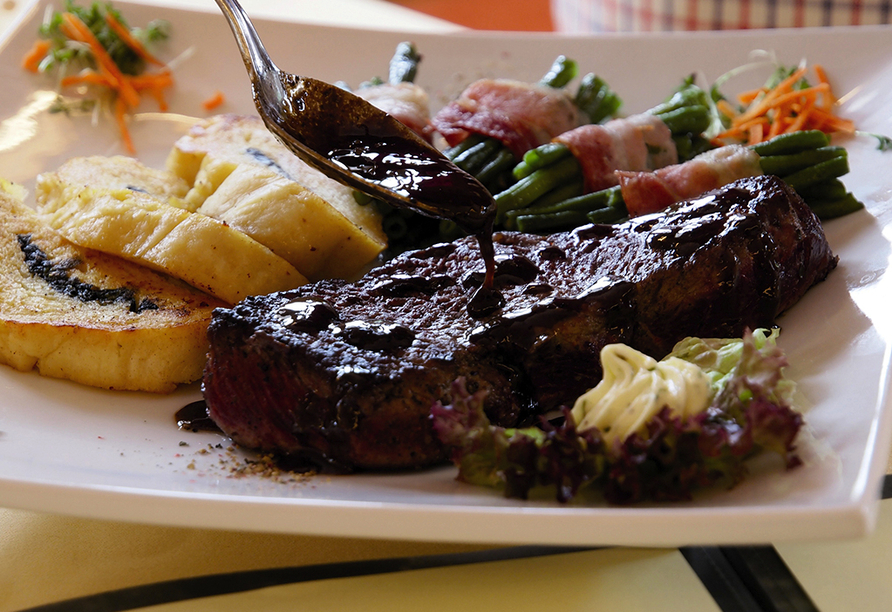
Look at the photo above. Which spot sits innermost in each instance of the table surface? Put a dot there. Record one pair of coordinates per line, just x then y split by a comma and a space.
65, 563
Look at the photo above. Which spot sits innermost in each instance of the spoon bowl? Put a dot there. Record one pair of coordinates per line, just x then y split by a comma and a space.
352, 141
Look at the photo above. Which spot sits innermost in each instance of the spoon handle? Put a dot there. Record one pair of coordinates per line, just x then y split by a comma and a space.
256, 59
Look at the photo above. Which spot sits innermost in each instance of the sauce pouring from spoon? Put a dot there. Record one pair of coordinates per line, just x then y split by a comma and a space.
353, 142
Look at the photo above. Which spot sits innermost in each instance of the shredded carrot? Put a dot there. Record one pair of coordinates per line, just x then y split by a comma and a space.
150, 81
726, 109
832, 123
35, 55
829, 100
127, 88
802, 116
756, 133
789, 106
124, 34
214, 101
87, 77
748, 96
74, 28
154, 84
121, 119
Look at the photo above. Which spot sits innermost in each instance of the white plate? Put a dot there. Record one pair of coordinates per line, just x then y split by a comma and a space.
70, 449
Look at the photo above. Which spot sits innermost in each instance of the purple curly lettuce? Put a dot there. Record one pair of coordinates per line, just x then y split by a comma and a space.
673, 458
516, 459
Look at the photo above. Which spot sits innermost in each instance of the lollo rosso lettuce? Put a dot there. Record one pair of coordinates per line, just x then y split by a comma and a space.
667, 459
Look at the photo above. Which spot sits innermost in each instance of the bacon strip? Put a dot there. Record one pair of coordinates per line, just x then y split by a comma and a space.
405, 102
639, 142
648, 192
520, 115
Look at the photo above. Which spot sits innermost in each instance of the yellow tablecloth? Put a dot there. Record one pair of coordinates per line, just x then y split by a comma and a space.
46, 558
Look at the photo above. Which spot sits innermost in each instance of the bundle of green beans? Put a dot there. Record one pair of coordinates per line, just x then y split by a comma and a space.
491, 162
485, 158
550, 174
808, 163
804, 160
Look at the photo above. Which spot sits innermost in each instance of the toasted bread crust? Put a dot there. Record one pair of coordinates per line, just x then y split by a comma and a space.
92, 318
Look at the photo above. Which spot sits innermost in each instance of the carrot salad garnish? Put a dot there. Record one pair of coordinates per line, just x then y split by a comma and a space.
97, 30
124, 34
77, 30
793, 104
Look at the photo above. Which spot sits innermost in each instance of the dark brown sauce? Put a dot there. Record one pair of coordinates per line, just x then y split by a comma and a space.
307, 315
194, 417
376, 335
433, 184
435, 187
377, 148
487, 299
404, 285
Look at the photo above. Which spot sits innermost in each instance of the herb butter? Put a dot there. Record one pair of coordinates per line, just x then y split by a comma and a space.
634, 389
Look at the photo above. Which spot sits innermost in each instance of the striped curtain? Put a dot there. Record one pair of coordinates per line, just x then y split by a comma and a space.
581, 16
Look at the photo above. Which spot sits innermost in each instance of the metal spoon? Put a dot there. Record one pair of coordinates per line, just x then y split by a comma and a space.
351, 141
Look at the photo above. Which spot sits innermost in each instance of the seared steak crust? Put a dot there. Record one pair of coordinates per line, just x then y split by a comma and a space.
344, 374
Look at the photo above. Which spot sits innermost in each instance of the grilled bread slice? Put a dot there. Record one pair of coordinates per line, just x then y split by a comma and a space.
239, 173
126, 220
85, 316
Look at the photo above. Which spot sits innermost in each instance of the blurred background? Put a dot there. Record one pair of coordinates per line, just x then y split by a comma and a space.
586, 16
516, 15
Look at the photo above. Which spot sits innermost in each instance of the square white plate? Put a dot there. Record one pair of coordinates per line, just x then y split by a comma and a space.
70, 449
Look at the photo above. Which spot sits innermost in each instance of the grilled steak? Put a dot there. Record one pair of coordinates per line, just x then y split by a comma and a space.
345, 373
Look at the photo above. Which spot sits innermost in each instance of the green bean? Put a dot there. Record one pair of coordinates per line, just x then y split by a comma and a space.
830, 209
604, 206
691, 145
550, 222
363, 199
530, 188
685, 113
792, 143
595, 98
394, 226
495, 174
562, 71
610, 198
404, 65
688, 95
783, 165
834, 167
540, 157
686, 120
476, 157
553, 201
608, 214
587, 202
561, 193
830, 189
464, 145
